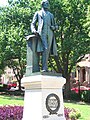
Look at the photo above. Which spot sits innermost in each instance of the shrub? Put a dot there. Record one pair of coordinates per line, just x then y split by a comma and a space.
71, 114
74, 96
78, 114
85, 96
3, 87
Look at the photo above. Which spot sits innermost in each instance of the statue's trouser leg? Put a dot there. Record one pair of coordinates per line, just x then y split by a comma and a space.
44, 53
44, 60
45, 57
46, 40
49, 39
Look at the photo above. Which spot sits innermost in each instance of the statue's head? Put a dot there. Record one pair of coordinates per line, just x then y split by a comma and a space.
45, 4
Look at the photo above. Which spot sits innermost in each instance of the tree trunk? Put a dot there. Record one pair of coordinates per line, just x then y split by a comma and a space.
19, 87
67, 89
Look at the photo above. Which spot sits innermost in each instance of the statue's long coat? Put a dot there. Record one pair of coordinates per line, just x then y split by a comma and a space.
38, 18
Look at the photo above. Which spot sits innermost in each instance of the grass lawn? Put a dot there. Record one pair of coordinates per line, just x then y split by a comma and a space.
18, 100
82, 107
11, 100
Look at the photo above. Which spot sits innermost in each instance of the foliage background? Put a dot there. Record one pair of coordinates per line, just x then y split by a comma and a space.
72, 37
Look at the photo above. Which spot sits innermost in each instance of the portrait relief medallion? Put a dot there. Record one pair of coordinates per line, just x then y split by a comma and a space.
52, 103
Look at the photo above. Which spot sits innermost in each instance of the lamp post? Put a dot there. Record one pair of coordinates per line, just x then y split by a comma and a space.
78, 68
79, 90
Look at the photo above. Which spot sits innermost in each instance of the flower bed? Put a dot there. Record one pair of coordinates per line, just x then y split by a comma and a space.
82, 88
11, 112
16, 113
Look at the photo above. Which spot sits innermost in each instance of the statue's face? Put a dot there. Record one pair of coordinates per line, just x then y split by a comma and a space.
45, 5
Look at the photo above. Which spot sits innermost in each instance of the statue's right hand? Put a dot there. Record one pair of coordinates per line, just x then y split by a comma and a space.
36, 33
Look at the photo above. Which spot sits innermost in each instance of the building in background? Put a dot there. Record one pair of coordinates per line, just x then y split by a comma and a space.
8, 76
83, 71
82, 76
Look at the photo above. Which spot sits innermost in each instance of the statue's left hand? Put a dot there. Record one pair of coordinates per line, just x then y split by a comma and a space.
54, 27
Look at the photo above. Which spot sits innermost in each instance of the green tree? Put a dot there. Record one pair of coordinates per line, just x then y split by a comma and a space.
12, 43
14, 26
87, 22
72, 39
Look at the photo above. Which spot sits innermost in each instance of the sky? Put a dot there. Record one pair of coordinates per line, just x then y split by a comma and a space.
3, 2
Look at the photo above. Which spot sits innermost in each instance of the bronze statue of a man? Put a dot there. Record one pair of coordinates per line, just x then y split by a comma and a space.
45, 30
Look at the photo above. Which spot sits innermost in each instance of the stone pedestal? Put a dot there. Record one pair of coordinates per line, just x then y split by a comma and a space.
43, 97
